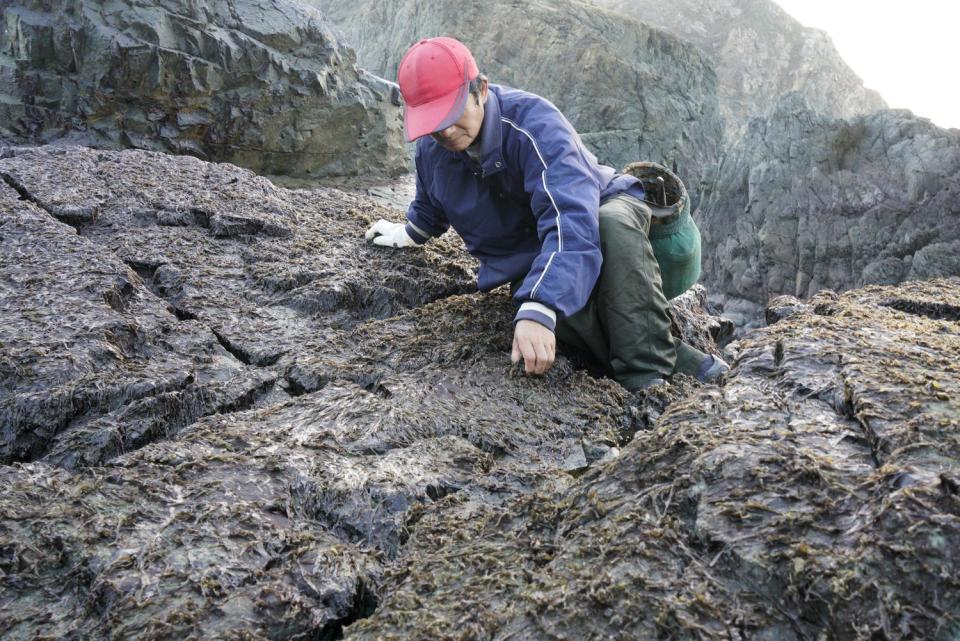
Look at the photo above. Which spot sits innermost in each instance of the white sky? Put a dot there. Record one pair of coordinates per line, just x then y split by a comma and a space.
908, 51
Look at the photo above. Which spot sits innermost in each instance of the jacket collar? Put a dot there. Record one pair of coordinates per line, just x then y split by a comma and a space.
491, 136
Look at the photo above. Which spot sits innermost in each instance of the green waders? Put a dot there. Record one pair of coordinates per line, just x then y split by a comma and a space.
625, 325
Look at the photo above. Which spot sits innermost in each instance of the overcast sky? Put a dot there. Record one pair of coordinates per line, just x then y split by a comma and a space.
908, 51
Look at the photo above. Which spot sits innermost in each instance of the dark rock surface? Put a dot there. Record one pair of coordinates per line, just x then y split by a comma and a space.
631, 91
377, 469
92, 363
760, 54
804, 202
184, 278
265, 85
815, 495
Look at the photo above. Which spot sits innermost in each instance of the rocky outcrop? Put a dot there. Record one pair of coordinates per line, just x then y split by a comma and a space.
227, 416
805, 202
188, 288
816, 494
760, 54
265, 85
632, 92
223, 412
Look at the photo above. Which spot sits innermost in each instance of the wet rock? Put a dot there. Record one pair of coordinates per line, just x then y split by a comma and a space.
760, 53
808, 497
396, 477
263, 267
93, 363
692, 320
782, 307
642, 94
265, 85
871, 200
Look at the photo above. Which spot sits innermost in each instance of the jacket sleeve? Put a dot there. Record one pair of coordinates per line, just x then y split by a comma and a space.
565, 198
425, 218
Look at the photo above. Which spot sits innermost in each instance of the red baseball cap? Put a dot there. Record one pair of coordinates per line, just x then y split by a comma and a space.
434, 78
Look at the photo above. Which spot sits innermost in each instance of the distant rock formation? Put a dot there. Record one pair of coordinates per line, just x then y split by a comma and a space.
225, 415
760, 54
804, 202
631, 91
265, 85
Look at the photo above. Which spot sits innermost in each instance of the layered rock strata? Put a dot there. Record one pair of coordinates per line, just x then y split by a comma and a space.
804, 202
760, 54
633, 92
265, 85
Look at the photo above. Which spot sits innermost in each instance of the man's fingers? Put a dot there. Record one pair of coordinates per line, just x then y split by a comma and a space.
529, 357
515, 354
544, 359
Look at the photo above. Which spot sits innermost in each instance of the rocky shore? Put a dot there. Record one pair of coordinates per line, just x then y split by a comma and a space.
226, 416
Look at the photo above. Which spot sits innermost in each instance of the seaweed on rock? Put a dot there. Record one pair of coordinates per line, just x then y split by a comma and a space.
213, 457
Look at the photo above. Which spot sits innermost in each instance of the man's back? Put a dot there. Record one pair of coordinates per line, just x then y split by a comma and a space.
535, 179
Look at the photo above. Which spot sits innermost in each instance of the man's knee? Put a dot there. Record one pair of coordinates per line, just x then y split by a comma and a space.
624, 215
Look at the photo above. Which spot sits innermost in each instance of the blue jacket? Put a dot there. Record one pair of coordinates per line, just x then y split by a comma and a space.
528, 210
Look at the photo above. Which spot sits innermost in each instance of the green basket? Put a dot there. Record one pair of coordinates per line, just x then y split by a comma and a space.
676, 238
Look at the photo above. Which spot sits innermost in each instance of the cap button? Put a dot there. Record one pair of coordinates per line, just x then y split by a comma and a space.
498, 163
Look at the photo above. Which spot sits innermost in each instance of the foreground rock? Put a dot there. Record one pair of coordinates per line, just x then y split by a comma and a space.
815, 495
265, 85
186, 282
760, 54
274, 514
633, 92
375, 468
804, 203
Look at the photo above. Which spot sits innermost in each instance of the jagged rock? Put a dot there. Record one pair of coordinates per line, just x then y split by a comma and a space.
631, 91
760, 54
693, 322
814, 495
781, 307
804, 203
265, 85
403, 480
233, 272
91, 363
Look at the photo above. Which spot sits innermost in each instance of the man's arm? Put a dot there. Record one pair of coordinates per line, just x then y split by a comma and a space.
425, 219
564, 198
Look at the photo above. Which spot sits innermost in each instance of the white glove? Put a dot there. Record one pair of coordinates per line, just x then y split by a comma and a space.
388, 234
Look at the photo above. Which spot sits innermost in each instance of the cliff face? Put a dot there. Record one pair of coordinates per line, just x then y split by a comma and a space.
632, 92
265, 85
804, 202
225, 415
760, 54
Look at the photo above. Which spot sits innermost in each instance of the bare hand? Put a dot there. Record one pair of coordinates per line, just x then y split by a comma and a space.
535, 344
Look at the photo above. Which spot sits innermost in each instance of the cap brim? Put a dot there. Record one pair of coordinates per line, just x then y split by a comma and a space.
435, 115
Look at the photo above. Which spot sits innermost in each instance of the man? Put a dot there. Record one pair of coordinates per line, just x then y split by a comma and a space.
510, 174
